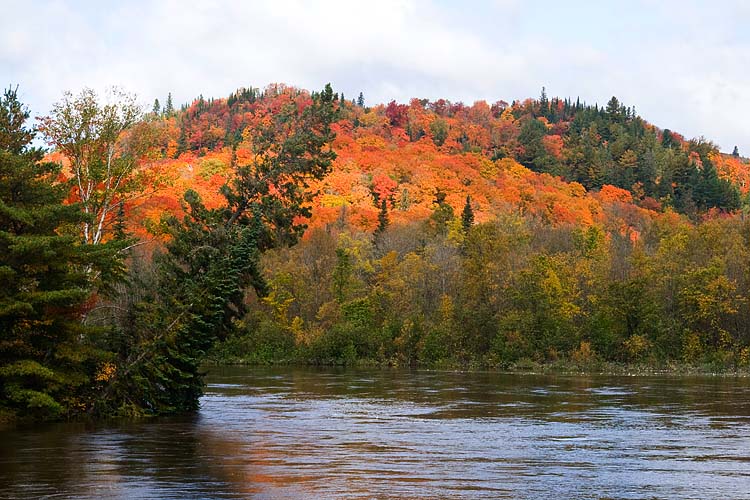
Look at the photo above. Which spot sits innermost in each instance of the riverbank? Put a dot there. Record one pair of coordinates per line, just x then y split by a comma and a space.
530, 367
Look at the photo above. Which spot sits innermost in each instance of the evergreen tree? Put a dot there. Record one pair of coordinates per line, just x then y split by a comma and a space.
736, 152
119, 230
382, 218
213, 257
614, 109
361, 100
531, 135
543, 103
442, 214
341, 276
48, 359
182, 144
157, 107
467, 216
169, 107
667, 140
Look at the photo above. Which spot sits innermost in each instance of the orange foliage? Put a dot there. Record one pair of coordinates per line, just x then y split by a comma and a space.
734, 169
554, 145
388, 152
611, 194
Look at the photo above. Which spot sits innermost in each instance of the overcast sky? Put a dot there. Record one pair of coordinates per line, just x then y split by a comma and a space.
684, 64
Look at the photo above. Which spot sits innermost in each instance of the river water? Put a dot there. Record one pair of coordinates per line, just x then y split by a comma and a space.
305, 433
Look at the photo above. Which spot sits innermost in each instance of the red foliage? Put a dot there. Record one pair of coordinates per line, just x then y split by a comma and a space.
388, 151
397, 114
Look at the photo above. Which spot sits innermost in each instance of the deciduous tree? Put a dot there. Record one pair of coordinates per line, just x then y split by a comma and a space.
102, 160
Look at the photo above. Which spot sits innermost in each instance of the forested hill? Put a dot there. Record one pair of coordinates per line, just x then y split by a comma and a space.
292, 226
404, 153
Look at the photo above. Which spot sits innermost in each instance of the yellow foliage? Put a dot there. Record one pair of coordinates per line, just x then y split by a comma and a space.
210, 167
584, 354
371, 142
332, 200
637, 346
105, 372
373, 119
692, 349
487, 168
508, 115
301, 337
744, 356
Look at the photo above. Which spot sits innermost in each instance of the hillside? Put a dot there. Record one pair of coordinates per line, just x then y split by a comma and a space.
291, 227
557, 160
592, 235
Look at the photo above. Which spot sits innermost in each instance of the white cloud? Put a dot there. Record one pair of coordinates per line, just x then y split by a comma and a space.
681, 63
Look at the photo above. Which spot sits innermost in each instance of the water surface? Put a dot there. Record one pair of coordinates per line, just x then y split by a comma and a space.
305, 433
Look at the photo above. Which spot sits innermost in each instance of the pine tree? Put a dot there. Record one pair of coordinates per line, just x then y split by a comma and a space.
613, 107
667, 140
383, 221
169, 108
736, 152
442, 214
48, 358
213, 257
182, 144
361, 100
157, 107
543, 103
119, 230
467, 216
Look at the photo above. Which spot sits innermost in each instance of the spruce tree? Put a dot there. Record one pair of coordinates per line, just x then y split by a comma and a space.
48, 360
467, 216
442, 214
213, 257
614, 109
169, 107
543, 103
383, 221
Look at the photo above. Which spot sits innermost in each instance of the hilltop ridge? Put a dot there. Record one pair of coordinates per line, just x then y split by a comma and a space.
557, 159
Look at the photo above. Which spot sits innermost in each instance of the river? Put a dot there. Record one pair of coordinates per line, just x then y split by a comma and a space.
307, 433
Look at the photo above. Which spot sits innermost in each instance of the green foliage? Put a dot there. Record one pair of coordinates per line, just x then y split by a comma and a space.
382, 218
213, 257
439, 131
48, 357
442, 214
210, 167
530, 137
467, 215
518, 292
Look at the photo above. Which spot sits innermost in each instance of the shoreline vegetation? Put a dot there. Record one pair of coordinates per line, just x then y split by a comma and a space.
278, 225
523, 367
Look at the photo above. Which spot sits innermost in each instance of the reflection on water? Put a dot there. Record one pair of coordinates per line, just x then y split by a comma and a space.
296, 433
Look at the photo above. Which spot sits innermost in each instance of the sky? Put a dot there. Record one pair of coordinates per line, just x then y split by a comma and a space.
684, 64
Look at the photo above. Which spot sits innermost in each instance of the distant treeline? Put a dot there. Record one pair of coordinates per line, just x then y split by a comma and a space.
590, 144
